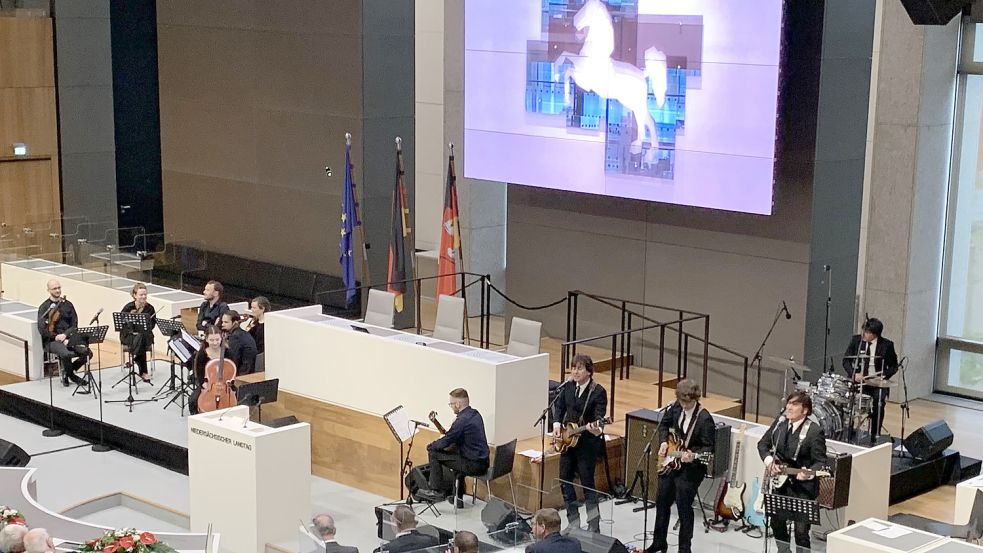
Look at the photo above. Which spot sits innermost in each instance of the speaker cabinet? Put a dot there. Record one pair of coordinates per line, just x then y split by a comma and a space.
12, 456
503, 522
933, 12
595, 543
929, 441
640, 428
834, 491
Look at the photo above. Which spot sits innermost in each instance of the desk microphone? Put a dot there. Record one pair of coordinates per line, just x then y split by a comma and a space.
420, 423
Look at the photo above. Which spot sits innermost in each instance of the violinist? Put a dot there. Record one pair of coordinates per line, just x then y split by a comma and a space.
57, 323
254, 325
139, 341
214, 344
242, 347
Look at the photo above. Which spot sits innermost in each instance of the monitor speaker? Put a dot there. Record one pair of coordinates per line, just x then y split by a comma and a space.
834, 491
12, 456
503, 522
595, 543
929, 440
934, 12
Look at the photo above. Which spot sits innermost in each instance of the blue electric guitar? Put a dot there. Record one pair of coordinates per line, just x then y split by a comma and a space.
753, 517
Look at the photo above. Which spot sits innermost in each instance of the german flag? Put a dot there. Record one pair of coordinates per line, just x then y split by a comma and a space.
398, 260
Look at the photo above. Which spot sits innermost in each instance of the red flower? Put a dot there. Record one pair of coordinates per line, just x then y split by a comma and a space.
147, 538
17, 520
91, 542
111, 548
127, 542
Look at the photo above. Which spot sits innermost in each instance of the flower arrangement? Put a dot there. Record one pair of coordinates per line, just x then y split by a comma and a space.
126, 540
9, 515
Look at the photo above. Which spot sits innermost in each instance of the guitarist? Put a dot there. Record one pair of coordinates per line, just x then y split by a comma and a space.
463, 450
581, 401
793, 440
694, 428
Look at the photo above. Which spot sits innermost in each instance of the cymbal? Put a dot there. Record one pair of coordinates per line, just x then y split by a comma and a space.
785, 362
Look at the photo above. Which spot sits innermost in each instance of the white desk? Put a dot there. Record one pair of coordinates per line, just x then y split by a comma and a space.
862, 537
323, 358
965, 495
951, 545
18, 325
869, 475
26, 282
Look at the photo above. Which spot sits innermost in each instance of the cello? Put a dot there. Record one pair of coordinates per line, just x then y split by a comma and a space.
216, 390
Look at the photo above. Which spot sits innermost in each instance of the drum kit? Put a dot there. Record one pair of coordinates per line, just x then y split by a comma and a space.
838, 405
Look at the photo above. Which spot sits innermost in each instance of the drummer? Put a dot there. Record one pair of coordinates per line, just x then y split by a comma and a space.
870, 354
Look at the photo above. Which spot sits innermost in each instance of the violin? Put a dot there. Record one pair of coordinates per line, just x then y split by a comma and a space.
216, 391
55, 316
248, 322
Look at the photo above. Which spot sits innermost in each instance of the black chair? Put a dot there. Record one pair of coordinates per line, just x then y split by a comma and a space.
502, 466
971, 531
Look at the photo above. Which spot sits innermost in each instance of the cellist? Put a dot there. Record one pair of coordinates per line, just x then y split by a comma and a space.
213, 350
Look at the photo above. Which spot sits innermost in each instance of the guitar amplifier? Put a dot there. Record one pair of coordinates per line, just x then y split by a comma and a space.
640, 428
834, 491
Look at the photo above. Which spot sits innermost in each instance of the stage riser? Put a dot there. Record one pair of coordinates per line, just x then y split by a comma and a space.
144, 447
910, 478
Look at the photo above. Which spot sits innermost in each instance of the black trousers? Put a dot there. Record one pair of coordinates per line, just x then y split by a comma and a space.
779, 525
579, 462
139, 343
70, 360
677, 488
878, 402
461, 466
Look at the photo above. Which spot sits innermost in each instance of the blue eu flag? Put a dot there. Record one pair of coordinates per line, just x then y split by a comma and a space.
349, 220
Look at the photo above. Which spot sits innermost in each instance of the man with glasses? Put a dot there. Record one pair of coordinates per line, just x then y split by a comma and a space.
463, 450
546, 530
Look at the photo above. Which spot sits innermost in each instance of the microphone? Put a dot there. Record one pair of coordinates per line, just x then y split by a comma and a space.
175, 317
52, 307
785, 308
420, 423
96, 317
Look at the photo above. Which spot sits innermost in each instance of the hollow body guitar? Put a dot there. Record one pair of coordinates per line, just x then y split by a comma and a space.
672, 461
570, 435
730, 497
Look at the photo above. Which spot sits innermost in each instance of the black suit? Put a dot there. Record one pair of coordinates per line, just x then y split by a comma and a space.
408, 542
580, 461
680, 486
139, 342
554, 543
885, 362
209, 314
811, 454
72, 355
335, 547
242, 351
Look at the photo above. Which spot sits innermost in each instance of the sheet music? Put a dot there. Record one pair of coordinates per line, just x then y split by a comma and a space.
400, 423
190, 340
892, 532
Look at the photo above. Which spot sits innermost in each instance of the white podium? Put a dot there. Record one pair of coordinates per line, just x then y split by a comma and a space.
250, 481
879, 536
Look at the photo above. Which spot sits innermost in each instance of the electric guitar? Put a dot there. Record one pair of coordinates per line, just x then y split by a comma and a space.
670, 461
570, 435
752, 514
730, 500
772, 483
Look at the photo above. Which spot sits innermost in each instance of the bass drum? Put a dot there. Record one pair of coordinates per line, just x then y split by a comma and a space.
827, 416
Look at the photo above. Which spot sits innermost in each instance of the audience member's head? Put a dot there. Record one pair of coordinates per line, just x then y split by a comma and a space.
465, 542
545, 522
37, 540
12, 538
404, 518
324, 526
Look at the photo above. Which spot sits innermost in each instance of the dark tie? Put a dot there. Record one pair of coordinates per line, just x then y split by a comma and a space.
578, 390
788, 439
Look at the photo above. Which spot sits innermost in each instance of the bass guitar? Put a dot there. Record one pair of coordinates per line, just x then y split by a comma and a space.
730, 498
671, 460
570, 434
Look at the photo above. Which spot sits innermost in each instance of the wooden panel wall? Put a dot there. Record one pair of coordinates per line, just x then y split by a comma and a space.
29, 188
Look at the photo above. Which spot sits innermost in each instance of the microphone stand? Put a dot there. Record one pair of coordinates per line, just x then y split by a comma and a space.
829, 300
757, 359
100, 447
541, 422
905, 408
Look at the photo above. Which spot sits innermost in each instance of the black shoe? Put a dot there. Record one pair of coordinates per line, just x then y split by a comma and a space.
432, 496
64, 382
460, 501
653, 549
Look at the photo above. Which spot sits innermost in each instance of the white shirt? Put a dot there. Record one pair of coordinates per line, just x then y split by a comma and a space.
871, 348
687, 418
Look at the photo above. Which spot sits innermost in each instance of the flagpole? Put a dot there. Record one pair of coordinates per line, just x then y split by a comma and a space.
412, 254
366, 277
460, 256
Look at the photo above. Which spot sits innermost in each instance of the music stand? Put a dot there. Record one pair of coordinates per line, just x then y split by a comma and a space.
258, 393
404, 429
182, 346
792, 509
169, 328
90, 335
133, 323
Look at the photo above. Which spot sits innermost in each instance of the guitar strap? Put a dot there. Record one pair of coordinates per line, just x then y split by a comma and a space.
590, 390
692, 425
802, 434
